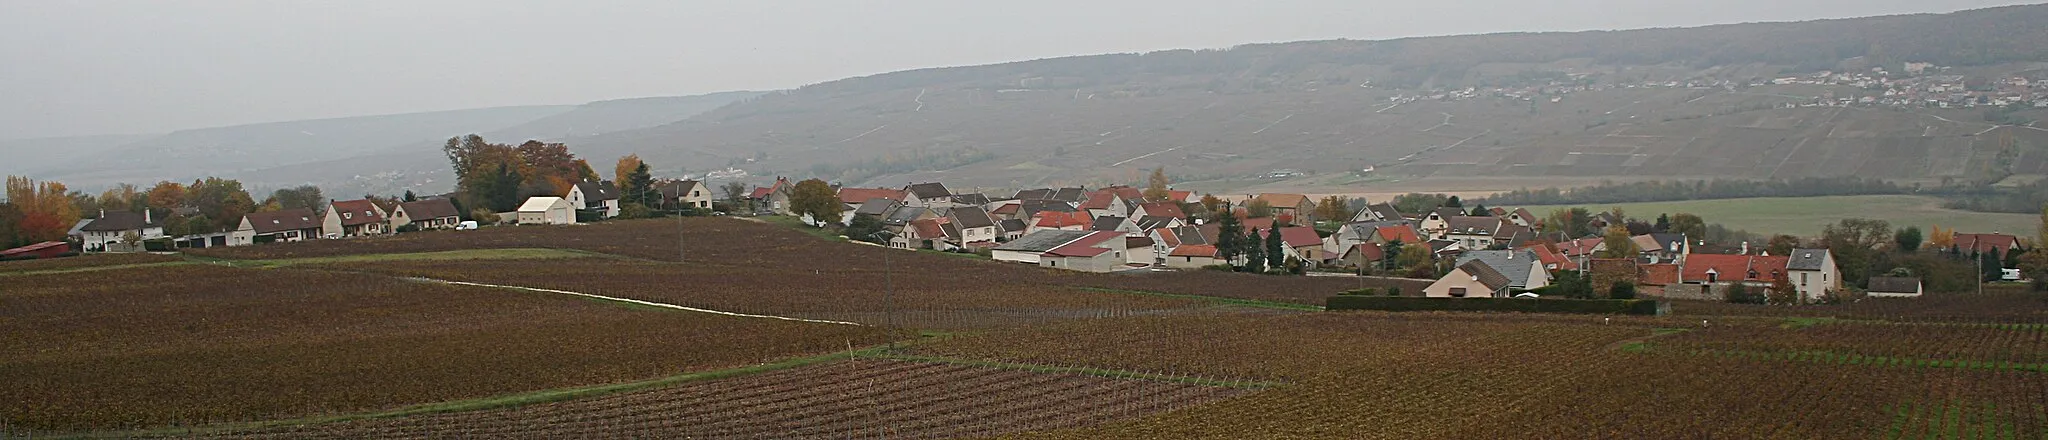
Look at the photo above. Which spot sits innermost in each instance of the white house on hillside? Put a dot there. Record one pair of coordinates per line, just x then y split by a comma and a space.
595, 194
1813, 273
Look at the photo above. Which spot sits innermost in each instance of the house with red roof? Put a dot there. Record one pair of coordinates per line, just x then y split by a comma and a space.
773, 198
1192, 256
1303, 243
1552, 259
856, 196
1179, 196
1100, 251
1983, 243
1296, 205
929, 233
1160, 209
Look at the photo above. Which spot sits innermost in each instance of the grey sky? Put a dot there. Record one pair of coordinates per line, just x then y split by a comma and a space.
99, 67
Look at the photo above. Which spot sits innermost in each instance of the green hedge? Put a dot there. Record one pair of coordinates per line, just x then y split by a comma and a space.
1412, 304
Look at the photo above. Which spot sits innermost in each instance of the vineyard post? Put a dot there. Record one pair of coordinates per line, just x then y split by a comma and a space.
679, 233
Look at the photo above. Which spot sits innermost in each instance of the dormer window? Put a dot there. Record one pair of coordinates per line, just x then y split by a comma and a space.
346, 216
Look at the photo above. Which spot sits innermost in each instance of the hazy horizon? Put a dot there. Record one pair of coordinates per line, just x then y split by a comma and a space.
104, 67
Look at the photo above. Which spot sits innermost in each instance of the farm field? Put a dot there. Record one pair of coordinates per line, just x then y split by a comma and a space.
986, 349
1804, 216
198, 344
866, 398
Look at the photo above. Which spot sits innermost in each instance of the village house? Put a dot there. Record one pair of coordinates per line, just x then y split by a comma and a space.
546, 211
1378, 212
1522, 268
1472, 232
426, 214
1296, 205
1192, 256
691, 194
1522, 217
1139, 251
1302, 242
1107, 203
975, 225
1662, 247
931, 194
1031, 248
354, 218
773, 198
110, 232
1968, 243
1472, 279
595, 195
1100, 251
1715, 275
277, 226
1814, 274
927, 233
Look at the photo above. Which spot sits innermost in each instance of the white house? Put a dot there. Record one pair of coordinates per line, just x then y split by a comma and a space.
354, 218
546, 211
686, 194
277, 226
1192, 256
595, 194
426, 215
1813, 273
1472, 279
931, 194
1523, 269
110, 232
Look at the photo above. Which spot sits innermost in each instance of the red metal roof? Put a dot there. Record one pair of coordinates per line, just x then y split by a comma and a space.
1660, 274
1404, 233
32, 248
1086, 246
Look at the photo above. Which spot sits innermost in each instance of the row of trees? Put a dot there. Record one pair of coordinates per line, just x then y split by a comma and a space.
1662, 191
1250, 251
46, 211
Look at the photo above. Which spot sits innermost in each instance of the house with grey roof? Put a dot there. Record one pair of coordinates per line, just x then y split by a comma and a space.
927, 194
974, 224
1895, 287
1378, 212
1813, 273
1472, 279
1523, 268
110, 232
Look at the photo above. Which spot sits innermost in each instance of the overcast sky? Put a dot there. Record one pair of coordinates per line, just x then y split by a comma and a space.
97, 67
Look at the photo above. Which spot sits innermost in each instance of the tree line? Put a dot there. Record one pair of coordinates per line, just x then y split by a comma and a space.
42, 211
1664, 191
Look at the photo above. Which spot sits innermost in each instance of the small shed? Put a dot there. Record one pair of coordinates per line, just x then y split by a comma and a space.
546, 211
47, 249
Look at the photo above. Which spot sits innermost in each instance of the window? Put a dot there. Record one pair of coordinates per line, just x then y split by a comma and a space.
1458, 292
1802, 279
345, 216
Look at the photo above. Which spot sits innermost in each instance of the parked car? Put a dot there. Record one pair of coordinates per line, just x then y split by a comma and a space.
2009, 275
466, 226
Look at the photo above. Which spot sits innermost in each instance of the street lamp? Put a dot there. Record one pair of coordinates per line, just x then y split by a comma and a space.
888, 289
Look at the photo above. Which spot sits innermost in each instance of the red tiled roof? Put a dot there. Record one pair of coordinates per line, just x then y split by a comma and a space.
1300, 236
1661, 274
1552, 259
1055, 219
1982, 243
1178, 195
1371, 252
1734, 267
862, 195
930, 228
1126, 192
1404, 233
1579, 247
1162, 209
1086, 246
1166, 235
1194, 250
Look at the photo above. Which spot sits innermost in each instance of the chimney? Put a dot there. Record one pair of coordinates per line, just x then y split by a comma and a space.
1745, 248
103, 212
145, 216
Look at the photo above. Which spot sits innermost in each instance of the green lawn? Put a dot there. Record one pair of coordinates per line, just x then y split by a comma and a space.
1804, 216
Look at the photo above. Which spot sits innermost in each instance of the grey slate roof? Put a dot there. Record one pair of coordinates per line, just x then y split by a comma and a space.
971, 217
903, 215
1151, 222
598, 191
114, 221
1031, 208
1467, 225
429, 209
1807, 259
1034, 194
877, 207
1448, 212
1012, 225
1190, 234
1514, 264
1106, 223
1385, 211
1894, 285
1487, 275
1043, 240
1069, 195
1666, 240
976, 199
291, 220
929, 190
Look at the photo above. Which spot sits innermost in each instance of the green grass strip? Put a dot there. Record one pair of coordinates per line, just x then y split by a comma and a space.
505, 401
96, 268
1091, 371
1214, 299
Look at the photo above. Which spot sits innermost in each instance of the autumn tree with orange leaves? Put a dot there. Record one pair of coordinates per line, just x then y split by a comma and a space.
45, 209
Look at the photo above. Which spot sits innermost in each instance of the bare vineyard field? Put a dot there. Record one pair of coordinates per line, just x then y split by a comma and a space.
83, 262
848, 399
200, 344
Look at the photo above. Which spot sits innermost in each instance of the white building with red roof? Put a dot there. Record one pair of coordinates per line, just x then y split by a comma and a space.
1099, 251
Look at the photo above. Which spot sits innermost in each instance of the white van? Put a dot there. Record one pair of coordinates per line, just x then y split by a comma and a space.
2010, 275
466, 226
